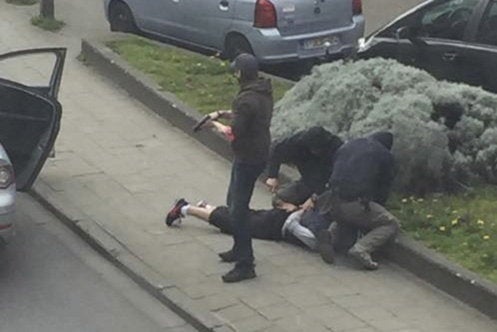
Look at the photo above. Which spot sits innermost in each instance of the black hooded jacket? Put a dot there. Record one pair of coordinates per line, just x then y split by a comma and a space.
364, 169
252, 112
315, 168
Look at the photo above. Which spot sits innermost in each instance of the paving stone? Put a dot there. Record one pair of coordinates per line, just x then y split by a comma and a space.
260, 298
345, 322
275, 328
279, 310
223, 329
373, 314
304, 298
389, 324
326, 313
352, 301
301, 323
236, 312
363, 329
218, 301
252, 324
198, 291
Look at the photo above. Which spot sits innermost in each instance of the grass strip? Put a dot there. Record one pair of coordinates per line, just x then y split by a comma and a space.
462, 226
203, 83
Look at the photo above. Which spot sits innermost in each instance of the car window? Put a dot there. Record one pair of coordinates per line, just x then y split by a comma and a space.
31, 70
447, 20
487, 32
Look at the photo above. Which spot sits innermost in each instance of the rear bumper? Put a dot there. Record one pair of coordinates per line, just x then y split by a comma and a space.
271, 47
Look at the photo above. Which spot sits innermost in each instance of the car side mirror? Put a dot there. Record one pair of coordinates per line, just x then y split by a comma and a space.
409, 33
404, 32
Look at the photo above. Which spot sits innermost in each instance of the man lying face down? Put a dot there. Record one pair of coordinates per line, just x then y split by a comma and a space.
285, 222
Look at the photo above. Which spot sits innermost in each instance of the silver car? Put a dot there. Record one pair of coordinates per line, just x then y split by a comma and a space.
273, 30
7, 196
29, 123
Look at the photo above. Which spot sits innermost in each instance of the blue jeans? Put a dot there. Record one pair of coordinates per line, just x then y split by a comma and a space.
243, 178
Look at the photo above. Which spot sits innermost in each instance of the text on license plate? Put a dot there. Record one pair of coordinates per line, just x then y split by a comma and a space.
327, 41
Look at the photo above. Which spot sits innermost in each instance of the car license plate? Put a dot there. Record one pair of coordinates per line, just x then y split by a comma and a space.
327, 41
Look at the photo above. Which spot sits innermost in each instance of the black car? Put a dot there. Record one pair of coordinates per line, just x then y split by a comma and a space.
29, 122
30, 114
455, 40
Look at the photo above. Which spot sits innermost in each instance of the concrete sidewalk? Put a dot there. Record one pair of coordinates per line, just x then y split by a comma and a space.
121, 167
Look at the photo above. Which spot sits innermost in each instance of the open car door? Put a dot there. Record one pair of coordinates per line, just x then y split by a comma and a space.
30, 113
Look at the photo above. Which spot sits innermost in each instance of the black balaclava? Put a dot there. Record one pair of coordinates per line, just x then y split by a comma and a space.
384, 137
248, 67
319, 140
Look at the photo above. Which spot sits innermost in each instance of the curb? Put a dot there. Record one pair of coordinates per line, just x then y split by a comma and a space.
121, 257
425, 263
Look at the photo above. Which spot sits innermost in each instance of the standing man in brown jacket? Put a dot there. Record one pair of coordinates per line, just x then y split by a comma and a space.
250, 141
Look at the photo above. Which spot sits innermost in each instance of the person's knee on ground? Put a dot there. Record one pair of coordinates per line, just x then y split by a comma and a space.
374, 240
343, 237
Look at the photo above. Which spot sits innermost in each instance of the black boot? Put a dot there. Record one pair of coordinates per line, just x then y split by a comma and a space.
228, 256
325, 246
239, 273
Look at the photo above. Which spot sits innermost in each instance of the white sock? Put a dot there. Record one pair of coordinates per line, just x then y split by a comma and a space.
184, 210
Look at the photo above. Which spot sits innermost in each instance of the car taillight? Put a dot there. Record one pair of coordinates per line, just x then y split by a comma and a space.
265, 14
6, 174
357, 7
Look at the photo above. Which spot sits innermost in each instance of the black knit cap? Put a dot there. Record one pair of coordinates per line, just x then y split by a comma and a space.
247, 65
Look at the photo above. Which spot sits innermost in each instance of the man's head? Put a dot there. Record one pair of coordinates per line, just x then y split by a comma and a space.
245, 67
319, 141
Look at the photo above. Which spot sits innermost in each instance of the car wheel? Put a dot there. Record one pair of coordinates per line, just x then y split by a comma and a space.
121, 18
235, 45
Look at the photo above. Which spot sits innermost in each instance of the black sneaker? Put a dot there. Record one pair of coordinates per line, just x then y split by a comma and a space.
175, 213
239, 273
325, 246
228, 256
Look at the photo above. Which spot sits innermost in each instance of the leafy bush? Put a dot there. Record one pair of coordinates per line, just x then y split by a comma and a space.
445, 133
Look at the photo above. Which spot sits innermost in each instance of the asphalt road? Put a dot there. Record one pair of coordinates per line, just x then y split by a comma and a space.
50, 280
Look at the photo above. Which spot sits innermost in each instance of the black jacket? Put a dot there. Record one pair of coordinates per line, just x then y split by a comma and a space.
364, 169
252, 112
315, 168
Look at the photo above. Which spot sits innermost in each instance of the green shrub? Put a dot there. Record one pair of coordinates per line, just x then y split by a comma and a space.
445, 133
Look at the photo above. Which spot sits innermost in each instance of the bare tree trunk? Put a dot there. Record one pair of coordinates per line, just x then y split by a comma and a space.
47, 9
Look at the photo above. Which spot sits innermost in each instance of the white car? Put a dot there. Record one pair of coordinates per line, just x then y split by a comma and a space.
29, 124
